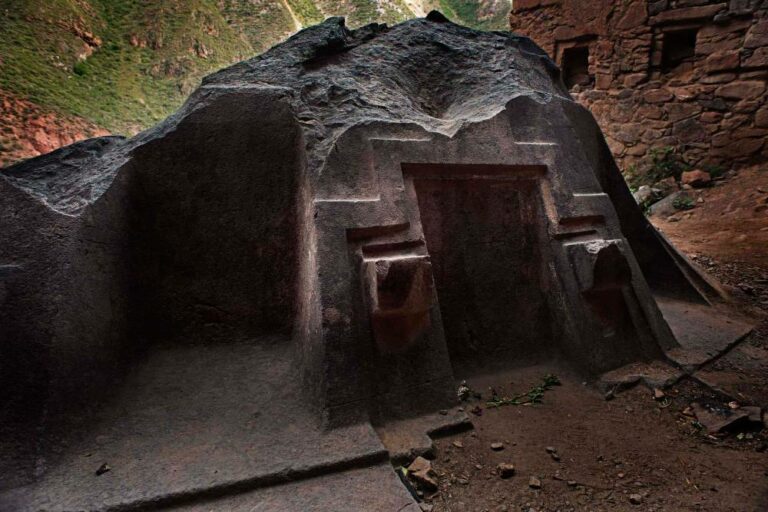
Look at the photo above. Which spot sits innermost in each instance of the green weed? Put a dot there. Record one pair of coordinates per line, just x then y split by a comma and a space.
683, 202
80, 68
533, 396
661, 163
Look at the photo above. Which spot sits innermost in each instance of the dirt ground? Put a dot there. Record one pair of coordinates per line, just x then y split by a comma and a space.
634, 452
608, 450
730, 224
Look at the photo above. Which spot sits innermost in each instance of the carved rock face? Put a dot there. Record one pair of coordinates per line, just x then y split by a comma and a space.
335, 231
401, 299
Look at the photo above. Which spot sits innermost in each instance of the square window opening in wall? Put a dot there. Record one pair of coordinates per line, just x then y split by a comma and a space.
678, 50
575, 66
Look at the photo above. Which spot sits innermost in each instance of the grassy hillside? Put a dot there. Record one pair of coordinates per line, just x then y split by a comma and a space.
486, 15
123, 65
360, 12
120, 64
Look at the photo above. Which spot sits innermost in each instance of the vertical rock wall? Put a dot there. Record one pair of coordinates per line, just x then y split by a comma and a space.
689, 74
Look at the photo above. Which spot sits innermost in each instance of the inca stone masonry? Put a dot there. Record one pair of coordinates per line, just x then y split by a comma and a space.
690, 74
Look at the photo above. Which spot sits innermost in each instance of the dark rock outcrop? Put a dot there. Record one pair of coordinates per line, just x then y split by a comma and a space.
331, 233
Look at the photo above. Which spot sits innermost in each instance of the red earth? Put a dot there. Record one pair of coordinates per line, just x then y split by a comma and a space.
28, 130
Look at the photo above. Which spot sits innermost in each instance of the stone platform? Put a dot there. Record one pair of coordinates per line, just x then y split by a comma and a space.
194, 422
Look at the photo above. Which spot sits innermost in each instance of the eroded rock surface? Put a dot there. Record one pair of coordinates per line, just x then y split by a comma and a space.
289, 276
335, 78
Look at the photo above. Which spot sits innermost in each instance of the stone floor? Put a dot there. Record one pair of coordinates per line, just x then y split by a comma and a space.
193, 422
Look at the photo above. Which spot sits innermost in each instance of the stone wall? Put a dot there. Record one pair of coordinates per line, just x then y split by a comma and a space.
688, 74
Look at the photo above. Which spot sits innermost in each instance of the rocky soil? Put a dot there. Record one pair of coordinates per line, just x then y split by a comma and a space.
630, 453
728, 222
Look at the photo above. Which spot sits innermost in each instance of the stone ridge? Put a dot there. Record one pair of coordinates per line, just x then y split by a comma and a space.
428, 72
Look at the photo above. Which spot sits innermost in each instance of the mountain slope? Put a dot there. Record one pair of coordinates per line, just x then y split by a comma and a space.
122, 65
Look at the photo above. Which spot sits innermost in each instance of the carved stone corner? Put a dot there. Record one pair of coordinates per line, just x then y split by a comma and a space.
400, 292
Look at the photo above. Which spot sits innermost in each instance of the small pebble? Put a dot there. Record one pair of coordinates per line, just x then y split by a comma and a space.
506, 470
